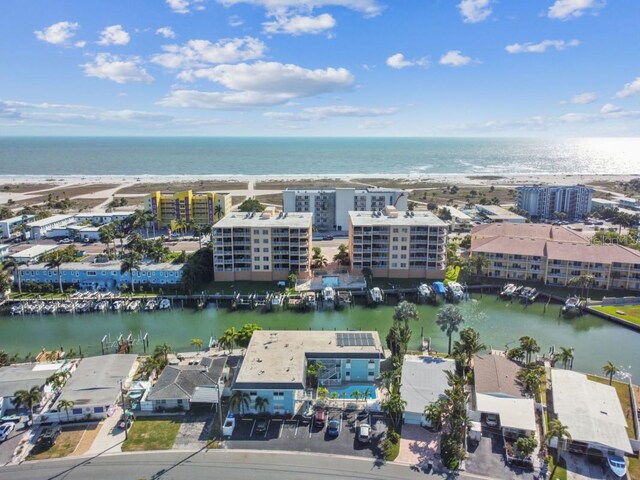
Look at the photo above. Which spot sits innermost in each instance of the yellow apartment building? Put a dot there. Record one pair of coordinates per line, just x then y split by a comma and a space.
200, 208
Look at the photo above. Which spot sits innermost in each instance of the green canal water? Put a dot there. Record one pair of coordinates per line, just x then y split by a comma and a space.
596, 341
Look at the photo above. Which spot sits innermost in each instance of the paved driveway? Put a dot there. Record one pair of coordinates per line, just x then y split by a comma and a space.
295, 434
487, 458
10, 444
194, 432
418, 446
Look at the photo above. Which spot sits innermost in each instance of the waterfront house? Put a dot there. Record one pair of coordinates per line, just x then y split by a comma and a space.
94, 387
275, 366
330, 206
180, 387
395, 244
41, 228
262, 246
591, 412
423, 382
105, 275
497, 391
200, 208
24, 377
8, 225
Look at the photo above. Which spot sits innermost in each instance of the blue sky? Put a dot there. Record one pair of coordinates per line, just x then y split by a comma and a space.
320, 67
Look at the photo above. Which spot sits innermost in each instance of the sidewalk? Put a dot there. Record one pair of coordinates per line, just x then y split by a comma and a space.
110, 437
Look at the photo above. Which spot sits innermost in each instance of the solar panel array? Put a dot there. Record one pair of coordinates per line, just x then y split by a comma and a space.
355, 339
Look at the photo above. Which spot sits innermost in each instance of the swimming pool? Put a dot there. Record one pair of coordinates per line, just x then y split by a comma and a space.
346, 391
330, 281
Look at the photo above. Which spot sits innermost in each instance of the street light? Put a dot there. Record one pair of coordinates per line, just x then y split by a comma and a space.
124, 411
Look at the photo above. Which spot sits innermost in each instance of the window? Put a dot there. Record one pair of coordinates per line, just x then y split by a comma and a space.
394, 239
394, 256
253, 394
265, 232
98, 409
256, 240
278, 394
395, 230
265, 259
403, 265
265, 240
256, 259
91, 274
265, 249
76, 411
256, 249
179, 401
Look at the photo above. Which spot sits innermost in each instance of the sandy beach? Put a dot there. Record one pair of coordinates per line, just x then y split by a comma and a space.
95, 192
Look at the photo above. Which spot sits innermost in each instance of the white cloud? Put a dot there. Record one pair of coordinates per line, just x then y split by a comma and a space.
112, 67
235, 21
300, 24
374, 124
631, 88
58, 33
166, 32
583, 98
114, 35
474, 11
541, 47
609, 108
80, 44
568, 9
454, 58
42, 106
398, 61
135, 115
185, 6
280, 7
199, 53
258, 84
320, 113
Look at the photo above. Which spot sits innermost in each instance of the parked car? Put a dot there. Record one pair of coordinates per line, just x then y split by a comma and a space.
364, 433
5, 429
320, 418
327, 237
261, 425
491, 420
66, 240
50, 435
11, 418
333, 429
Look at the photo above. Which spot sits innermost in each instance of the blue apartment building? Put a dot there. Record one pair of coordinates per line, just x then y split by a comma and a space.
275, 366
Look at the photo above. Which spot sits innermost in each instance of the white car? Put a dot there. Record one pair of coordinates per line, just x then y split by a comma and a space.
5, 429
364, 433
491, 420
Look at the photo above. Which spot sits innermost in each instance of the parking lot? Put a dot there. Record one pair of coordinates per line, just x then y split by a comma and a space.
488, 456
9, 445
298, 434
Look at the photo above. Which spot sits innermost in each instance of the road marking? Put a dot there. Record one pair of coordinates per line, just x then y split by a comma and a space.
281, 428
297, 425
310, 427
267, 429
252, 427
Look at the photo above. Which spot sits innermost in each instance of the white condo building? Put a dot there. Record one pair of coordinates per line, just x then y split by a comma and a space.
547, 201
331, 206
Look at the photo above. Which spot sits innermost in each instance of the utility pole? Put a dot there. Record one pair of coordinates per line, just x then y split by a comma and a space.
219, 407
124, 413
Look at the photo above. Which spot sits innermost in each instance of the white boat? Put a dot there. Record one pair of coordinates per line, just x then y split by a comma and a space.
133, 305
376, 295
572, 305
50, 308
618, 466
455, 292
66, 307
17, 309
276, 301
508, 291
150, 305
328, 295
101, 306
164, 304
528, 295
424, 290
117, 305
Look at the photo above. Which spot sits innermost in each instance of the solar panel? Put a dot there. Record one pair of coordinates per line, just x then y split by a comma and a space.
355, 339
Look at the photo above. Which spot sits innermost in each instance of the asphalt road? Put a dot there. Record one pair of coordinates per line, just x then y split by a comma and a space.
239, 465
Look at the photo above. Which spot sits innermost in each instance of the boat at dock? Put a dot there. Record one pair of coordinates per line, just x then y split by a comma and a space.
276, 301
328, 297
572, 306
150, 305
164, 304
454, 292
528, 295
344, 298
376, 296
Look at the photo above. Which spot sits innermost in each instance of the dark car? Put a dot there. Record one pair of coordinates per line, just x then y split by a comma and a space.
320, 418
261, 425
50, 435
333, 429
327, 237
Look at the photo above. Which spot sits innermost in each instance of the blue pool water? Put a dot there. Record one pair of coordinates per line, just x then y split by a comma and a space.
329, 281
347, 390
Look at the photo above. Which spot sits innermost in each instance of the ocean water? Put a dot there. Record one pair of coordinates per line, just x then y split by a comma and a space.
138, 156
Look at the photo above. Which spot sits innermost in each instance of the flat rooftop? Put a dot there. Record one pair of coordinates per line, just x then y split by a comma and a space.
357, 191
528, 230
497, 212
34, 252
415, 218
424, 380
110, 266
96, 380
258, 219
590, 410
49, 220
17, 219
277, 358
25, 376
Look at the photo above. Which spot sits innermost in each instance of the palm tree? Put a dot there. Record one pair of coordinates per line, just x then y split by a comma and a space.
217, 212
27, 398
449, 320
356, 396
228, 339
610, 369
149, 365
342, 257
107, 235
559, 431
468, 347
181, 226
197, 342
394, 408
197, 232
435, 412
565, 356
388, 379
162, 352
66, 405
479, 263
130, 263
55, 261
10, 263
239, 400
261, 404
529, 346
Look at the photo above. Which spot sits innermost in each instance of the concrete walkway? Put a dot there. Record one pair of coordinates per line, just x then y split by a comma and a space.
110, 437
418, 446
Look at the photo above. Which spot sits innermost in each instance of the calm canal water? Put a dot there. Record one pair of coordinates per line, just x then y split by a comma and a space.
596, 341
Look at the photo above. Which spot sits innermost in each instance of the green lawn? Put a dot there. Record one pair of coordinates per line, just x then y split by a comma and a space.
152, 434
65, 445
631, 313
561, 472
624, 394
